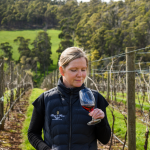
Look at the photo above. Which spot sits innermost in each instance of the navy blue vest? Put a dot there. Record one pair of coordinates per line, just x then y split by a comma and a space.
65, 126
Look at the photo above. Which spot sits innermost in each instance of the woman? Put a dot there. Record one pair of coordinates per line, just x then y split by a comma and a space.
59, 113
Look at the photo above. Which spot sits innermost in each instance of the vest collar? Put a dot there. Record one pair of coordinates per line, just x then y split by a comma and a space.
67, 91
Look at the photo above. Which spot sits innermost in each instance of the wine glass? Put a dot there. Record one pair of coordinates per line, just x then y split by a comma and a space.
87, 101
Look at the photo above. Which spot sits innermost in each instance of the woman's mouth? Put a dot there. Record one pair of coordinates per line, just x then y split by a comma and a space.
78, 80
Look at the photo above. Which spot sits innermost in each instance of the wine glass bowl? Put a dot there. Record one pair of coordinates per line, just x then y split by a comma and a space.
87, 101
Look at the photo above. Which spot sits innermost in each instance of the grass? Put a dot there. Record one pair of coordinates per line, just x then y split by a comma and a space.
9, 36
35, 93
120, 129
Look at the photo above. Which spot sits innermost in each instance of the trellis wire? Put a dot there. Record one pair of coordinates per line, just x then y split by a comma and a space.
122, 54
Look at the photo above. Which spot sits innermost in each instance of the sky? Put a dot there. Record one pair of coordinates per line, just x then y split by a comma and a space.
101, 0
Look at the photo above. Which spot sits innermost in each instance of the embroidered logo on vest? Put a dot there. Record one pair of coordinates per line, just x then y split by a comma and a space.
57, 117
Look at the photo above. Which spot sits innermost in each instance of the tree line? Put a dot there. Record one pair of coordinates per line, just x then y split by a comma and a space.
104, 29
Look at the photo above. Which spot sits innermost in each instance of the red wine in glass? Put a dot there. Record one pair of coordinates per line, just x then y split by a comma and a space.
88, 107
87, 101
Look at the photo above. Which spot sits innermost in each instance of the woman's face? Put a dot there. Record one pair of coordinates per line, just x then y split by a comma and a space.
75, 73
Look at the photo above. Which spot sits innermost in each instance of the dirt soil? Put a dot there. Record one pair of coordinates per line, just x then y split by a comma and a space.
10, 137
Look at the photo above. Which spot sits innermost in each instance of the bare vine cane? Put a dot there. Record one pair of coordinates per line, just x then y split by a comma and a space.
93, 83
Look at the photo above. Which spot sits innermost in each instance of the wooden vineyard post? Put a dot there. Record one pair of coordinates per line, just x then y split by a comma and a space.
103, 84
57, 75
23, 83
149, 86
149, 114
17, 94
114, 88
94, 79
11, 83
130, 89
108, 87
54, 75
51, 77
1, 94
89, 74
18, 81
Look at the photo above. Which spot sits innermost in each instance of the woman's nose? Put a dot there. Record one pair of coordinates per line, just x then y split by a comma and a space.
79, 73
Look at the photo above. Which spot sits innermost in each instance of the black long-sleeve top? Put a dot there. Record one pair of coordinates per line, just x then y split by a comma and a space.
35, 131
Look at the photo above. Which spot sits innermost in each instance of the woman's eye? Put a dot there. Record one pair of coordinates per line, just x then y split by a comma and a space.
73, 70
83, 70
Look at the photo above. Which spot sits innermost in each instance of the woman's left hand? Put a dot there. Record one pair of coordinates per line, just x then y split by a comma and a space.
97, 114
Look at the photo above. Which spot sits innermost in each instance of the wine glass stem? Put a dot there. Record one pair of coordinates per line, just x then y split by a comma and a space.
93, 119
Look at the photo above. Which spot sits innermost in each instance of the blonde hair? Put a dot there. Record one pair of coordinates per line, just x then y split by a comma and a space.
71, 54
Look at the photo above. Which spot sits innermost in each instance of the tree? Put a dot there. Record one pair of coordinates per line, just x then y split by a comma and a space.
66, 35
51, 16
26, 56
7, 49
42, 50
23, 48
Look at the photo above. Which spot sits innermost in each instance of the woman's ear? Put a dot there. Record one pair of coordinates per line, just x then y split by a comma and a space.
61, 70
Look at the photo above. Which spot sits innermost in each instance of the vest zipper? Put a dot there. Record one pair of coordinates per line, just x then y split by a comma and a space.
70, 124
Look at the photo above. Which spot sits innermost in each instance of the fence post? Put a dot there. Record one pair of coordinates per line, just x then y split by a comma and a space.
22, 79
114, 88
17, 94
50, 76
149, 114
89, 74
11, 83
57, 74
93, 78
108, 87
149, 86
25, 86
102, 83
1, 93
130, 89
53, 78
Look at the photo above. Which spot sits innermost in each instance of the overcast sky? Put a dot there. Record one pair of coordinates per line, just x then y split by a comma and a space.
89, 0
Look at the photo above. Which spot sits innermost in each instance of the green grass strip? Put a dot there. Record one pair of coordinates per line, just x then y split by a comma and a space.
120, 129
26, 145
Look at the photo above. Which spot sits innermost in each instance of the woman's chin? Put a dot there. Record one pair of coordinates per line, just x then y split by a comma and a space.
78, 85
